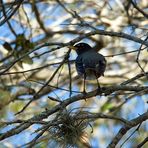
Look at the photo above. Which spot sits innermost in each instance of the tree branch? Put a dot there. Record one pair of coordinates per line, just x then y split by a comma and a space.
125, 128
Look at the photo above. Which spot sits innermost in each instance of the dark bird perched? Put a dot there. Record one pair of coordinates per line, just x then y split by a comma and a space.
89, 63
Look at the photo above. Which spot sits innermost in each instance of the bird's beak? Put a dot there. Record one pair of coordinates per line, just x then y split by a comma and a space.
72, 47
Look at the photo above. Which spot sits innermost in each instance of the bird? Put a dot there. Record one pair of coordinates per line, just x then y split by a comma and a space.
89, 63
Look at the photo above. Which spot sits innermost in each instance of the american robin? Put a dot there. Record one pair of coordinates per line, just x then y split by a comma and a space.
89, 63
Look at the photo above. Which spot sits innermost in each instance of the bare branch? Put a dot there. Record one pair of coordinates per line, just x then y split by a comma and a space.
125, 128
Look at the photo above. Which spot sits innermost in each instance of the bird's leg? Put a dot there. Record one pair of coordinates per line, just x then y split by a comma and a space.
84, 91
99, 88
98, 84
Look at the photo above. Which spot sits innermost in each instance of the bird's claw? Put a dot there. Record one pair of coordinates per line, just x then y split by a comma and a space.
99, 90
84, 94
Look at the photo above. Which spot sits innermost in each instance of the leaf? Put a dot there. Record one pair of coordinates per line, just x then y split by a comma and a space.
107, 106
28, 45
20, 64
20, 39
17, 106
27, 60
4, 98
22, 42
2, 124
7, 46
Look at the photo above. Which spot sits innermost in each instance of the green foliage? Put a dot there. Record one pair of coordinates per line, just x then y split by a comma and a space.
5, 97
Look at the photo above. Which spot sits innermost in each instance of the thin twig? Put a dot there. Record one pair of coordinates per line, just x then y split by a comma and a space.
134, 122
19, 2
140, 10
140, 145
137, 59
46, 84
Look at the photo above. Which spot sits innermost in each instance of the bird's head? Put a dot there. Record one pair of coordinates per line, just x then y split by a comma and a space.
81, 48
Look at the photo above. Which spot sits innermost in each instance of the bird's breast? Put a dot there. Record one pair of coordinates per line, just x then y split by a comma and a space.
90, 64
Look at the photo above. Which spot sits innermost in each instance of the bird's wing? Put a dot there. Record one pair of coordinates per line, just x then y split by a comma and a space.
80, 65
95, 61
